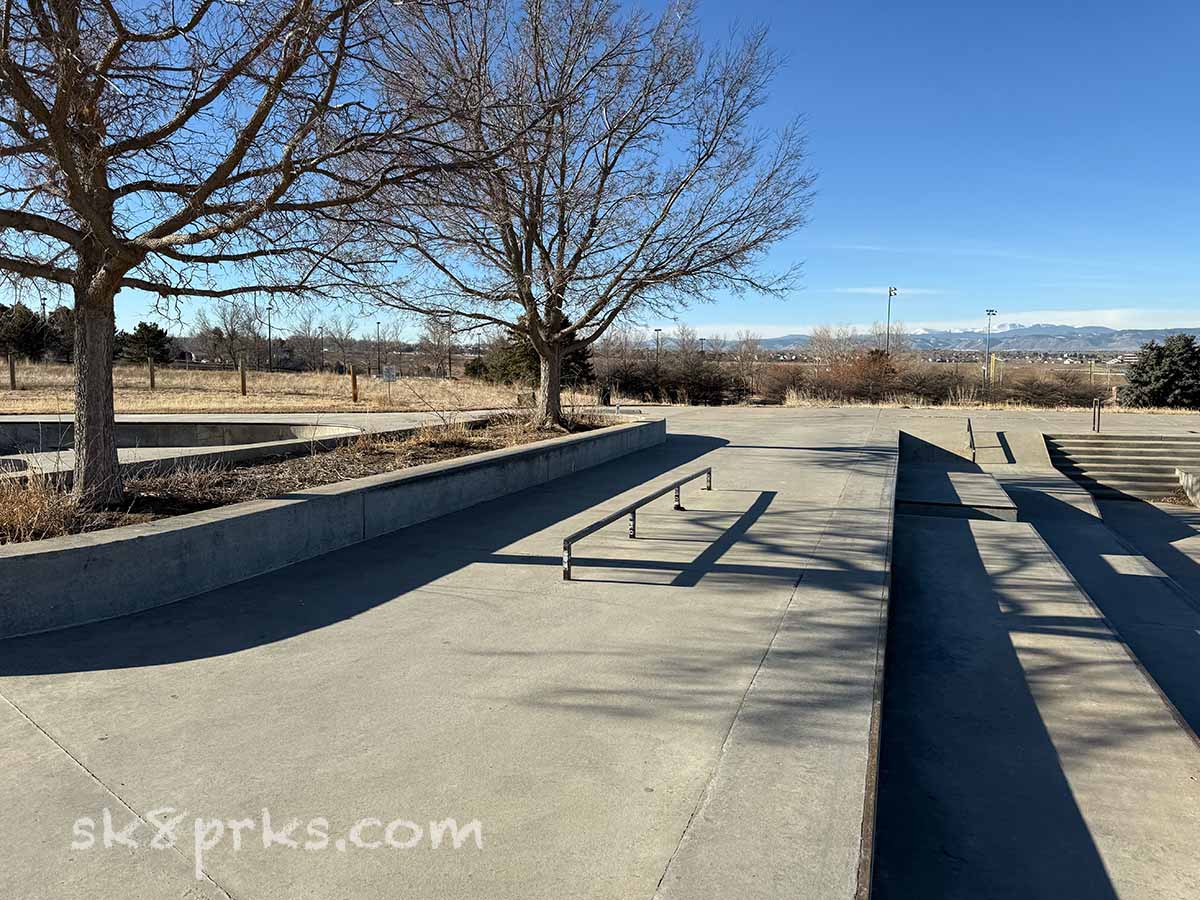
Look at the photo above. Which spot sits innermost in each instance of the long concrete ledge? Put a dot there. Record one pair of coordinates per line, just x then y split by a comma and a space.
70, 580
41, 435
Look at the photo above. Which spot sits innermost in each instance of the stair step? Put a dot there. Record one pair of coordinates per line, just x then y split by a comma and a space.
1168, 483
1124, 438
1121, 447
1104, 491
1152, 462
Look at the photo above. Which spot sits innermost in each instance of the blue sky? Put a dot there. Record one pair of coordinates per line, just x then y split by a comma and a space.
1042, 158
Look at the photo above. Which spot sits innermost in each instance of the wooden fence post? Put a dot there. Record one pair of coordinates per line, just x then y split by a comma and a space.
353, 384
242, 373
150, 369
12, 371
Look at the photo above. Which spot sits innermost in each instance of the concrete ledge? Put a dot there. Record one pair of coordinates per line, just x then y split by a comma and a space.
70, 580
1189, 480
43, 435
932, 491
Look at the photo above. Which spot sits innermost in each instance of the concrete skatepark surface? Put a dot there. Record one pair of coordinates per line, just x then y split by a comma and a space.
685, 719
447, 672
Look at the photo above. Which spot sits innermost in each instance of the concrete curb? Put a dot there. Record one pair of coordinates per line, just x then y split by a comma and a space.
60, 582
865, 870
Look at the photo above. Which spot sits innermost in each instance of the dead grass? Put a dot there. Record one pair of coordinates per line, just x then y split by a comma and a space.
39, 507
35, 508
803, 400
49, 388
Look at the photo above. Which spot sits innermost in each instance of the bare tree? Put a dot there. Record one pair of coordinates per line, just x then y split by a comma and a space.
306, 337
830, 346
203, 153
717, 344
897, 342
341, 332
686, 340
632, 180
747, 357
434, 345
231, 328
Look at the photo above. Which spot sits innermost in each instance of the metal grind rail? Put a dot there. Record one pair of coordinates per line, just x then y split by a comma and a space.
631, 511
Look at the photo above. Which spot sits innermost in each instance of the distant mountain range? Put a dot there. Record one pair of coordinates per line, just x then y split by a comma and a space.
1011, 336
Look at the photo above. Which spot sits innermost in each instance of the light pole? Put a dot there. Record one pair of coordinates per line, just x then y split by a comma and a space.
987, 356
270, 355
702, 346
44, 319
378, 350
887, 337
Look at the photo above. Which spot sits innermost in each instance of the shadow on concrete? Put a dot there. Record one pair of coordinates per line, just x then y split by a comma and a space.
319, 592
814, 685
1005, 447
973, 800
917, 450
1157, 618
690, 576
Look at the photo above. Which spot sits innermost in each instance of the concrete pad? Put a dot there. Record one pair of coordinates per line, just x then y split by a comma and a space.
754, 833
446, 671
45, 791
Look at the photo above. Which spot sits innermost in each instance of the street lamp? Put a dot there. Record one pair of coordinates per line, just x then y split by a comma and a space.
987, 355
270, 355
702, 345
378, 351
657, 345
887, 338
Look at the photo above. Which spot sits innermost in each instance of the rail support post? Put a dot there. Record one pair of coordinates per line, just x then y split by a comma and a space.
566, 561
708, 480
632, 523
678, 505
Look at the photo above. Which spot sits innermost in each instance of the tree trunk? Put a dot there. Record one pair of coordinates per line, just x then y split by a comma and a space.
548, 411
97, 474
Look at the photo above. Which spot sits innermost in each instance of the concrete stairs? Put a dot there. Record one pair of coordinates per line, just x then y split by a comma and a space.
1124, 466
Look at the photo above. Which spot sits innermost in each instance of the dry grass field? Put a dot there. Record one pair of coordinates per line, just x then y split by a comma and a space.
47, 388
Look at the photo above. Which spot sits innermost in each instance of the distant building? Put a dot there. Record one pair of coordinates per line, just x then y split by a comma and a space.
1123, 359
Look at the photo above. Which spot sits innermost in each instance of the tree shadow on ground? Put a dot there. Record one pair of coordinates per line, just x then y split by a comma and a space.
339, 585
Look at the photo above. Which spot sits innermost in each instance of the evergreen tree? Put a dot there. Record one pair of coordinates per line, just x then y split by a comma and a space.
1166, 374
60, 333
148, 341
514, 359
22, 331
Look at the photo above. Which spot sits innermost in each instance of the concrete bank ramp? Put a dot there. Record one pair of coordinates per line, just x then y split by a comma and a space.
1025, 753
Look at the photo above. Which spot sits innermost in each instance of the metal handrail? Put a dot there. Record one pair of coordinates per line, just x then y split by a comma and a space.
631, 511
